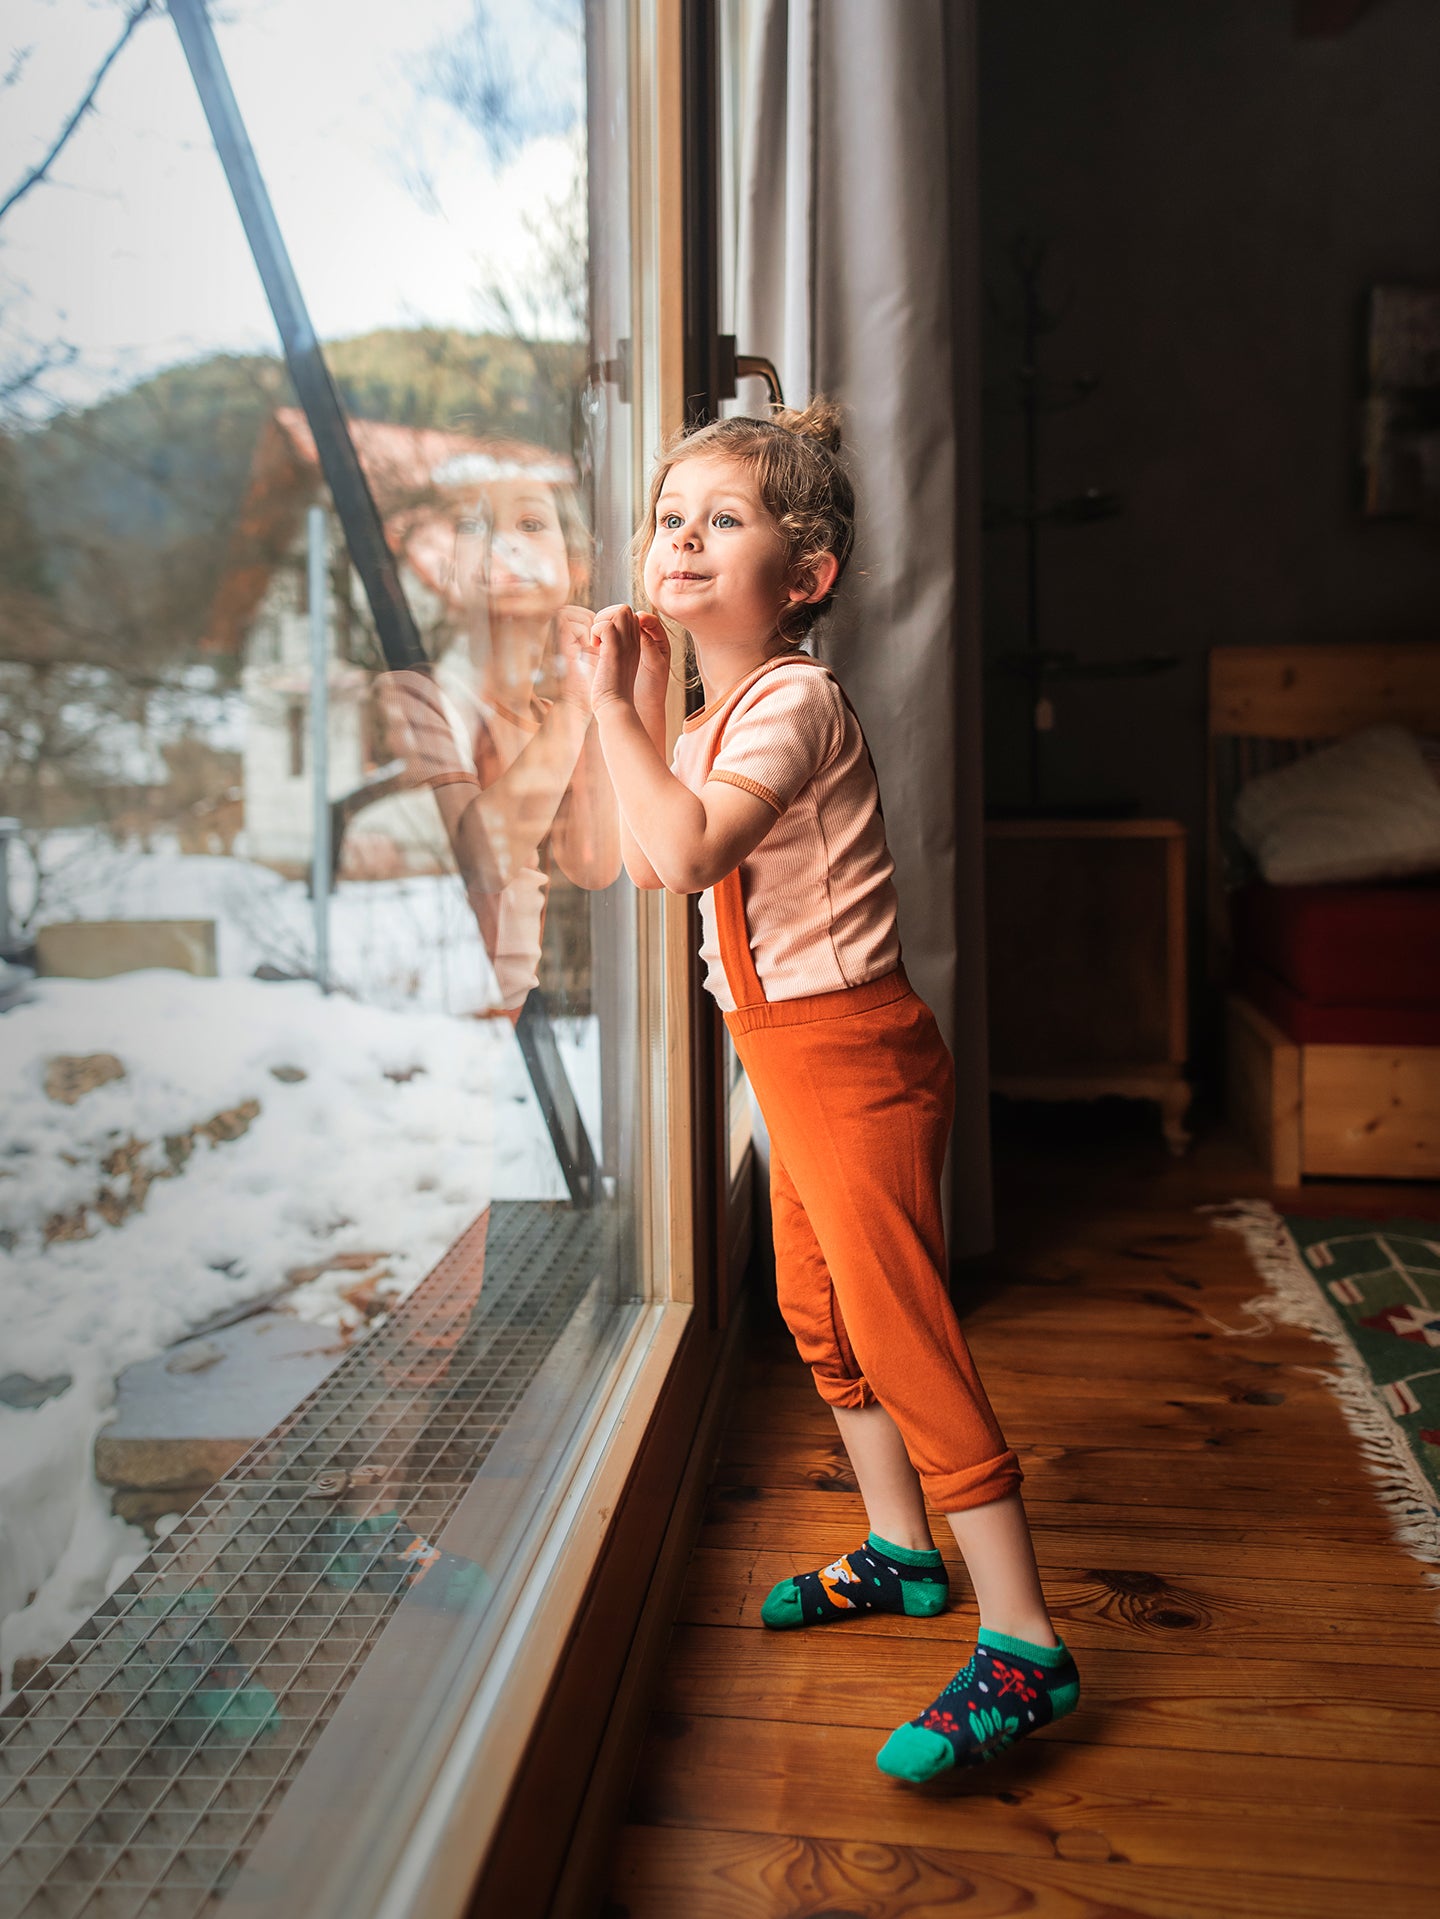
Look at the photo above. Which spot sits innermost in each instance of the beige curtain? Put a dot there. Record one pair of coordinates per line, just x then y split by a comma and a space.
855, 266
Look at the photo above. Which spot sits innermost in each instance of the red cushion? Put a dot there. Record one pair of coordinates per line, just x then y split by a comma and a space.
1366, 946
1310, 1023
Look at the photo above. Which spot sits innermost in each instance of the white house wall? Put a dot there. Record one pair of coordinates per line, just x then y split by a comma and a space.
279, 824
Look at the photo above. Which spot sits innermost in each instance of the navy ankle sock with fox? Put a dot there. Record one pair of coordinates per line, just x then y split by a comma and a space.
876, 1577
1008, 1689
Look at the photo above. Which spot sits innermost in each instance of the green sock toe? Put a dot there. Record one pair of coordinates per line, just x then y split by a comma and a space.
782, 1608
913, 1753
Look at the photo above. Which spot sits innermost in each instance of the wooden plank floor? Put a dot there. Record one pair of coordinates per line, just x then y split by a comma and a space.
1258, 1731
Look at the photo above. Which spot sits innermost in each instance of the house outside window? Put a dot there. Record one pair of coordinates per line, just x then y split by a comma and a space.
295, 732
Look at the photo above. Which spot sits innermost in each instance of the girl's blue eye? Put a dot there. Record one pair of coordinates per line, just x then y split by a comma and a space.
669, 519
726, 519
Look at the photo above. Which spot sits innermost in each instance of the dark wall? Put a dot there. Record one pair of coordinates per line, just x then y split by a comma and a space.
1218, 194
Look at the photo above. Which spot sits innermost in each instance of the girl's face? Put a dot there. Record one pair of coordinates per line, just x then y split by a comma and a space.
717, 563
510, 555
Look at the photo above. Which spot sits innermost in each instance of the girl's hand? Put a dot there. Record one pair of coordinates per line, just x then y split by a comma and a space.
616, 635
578, 657
652, 681
418, 728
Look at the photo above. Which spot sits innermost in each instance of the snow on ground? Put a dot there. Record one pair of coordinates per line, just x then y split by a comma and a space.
404, 942
390, 1125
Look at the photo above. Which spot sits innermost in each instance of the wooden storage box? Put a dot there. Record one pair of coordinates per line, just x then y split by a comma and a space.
1361, 1112
1316, 1110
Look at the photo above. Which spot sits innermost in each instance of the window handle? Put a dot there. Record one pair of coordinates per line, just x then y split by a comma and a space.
733, 366
614, 372
764, 370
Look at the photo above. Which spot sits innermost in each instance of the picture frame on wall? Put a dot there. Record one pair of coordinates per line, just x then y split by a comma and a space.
1401, 433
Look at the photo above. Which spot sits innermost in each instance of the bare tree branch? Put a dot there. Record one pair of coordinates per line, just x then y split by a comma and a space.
18, 63
36, 174
16, 382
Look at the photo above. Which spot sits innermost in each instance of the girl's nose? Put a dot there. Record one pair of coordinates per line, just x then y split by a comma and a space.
511, 565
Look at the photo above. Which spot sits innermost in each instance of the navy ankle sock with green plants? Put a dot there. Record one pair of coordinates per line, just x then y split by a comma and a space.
876, 1577
1010, 1688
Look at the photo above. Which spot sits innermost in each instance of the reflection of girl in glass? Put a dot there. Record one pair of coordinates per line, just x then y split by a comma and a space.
501, 731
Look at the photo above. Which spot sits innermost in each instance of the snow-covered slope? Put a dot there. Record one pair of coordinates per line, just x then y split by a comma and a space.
253, 1129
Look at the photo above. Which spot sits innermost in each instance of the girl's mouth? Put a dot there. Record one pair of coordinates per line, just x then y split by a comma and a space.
685, 579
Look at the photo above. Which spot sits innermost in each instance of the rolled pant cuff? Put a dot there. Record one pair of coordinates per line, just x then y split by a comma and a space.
976, 1486
850, 1395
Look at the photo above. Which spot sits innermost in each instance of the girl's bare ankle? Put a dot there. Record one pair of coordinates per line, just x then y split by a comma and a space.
912, 1539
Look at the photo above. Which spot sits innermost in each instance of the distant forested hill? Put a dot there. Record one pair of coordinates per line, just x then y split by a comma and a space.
128, 507
472, 382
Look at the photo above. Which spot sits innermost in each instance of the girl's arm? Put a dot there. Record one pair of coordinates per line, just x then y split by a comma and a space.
558, 783
652, 682
494, 829
689, 840
585, 837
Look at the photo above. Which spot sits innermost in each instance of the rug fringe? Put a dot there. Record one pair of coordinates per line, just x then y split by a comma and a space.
1294, 1299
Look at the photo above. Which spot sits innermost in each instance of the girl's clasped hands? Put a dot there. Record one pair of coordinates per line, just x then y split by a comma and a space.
628, 655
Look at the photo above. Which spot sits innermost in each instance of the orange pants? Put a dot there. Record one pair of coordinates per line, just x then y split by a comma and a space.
857, 1089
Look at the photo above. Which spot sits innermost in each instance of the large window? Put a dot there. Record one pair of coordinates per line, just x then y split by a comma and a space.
334, 1171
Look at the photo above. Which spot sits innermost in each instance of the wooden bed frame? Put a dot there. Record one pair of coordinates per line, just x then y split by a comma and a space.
1315, 1111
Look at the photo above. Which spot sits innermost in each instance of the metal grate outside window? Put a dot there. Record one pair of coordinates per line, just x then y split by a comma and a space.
140, 1764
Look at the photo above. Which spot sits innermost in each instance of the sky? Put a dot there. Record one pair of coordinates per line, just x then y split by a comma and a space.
395, 211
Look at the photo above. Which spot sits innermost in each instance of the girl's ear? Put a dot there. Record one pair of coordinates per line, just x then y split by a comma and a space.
813, 578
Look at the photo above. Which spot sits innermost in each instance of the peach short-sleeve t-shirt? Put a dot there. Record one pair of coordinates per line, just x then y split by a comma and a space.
819, 893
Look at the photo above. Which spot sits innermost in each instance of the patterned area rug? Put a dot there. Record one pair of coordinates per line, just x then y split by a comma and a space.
1372, 1288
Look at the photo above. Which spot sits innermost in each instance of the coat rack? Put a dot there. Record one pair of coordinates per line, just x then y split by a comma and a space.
1036, 397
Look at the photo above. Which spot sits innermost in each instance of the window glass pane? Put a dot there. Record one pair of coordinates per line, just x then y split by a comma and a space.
321, 1186
741, 153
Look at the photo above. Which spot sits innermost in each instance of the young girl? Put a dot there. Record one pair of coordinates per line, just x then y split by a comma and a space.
771, 810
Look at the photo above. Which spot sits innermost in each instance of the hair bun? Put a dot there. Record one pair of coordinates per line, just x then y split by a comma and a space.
818, 421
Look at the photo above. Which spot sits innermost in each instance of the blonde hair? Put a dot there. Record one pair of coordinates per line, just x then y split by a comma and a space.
795, 458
